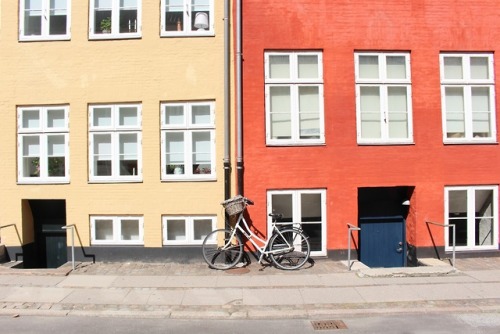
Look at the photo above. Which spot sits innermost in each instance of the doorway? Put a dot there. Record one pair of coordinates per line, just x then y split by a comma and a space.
382, 213
50, 244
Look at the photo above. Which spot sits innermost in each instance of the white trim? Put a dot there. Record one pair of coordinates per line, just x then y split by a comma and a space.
189, 225
210, 32
116, 237
45, 17
297, 214
135, 27
471, 218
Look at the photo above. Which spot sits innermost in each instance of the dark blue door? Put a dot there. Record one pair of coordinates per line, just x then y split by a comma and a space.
382, 241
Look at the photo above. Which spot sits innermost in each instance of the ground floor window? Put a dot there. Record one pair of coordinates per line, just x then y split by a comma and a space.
117, 230
183, 230
302, 208
473, 211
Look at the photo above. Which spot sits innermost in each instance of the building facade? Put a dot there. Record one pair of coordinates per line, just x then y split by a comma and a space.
113, 124
379, 115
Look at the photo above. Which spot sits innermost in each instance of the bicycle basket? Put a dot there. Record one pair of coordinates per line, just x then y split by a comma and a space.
234, 206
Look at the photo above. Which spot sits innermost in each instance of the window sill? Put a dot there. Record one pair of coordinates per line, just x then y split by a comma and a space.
403, 143
97, 37
38, 182
116, 243
115, 181
470, 142
187, 34
44, 38
189, 179
302, 144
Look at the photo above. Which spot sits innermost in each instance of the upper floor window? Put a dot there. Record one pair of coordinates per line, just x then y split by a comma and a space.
115, 143
294, 98
188, 141
468, 97
473, 210
44, 20
383, 98
43, 152
187, 17
115, 19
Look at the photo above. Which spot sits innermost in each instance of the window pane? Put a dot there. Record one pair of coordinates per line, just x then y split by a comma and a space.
308, 67
280, 112
56, 147
481, 122
453, 68
201, 153
200, 15
128, 116
202, 227
279, 67
102, 18
176, 229
457, 211
128, 16
174, 18
31, 156
58, 17
370, 112
32, 17
104, 229
128, 153
479, 68
102, 155
398, 116
368, 67
130, 229
102, 116
309, 112
455, 112
31, 119
200, 114
174, 152
174, 115
283, 203
56, 118
396, 67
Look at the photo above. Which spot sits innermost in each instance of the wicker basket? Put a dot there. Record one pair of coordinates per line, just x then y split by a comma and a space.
234, 205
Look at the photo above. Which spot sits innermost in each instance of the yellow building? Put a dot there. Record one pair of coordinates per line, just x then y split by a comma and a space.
113, 121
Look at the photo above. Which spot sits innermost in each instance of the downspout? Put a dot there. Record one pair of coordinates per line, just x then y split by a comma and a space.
239, 90
227, 101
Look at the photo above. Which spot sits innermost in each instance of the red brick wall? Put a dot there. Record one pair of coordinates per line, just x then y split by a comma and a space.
338, 28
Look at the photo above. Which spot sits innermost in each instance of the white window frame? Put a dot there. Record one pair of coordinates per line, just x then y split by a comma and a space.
135, 28
295, 83
467, 83
297, 214
189, 225
42, 132
188, 129
115, 130
471, 218
184, 30
117, 230
45, 23
383, 83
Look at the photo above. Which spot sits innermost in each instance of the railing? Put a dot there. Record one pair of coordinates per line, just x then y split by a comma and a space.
17, 232
349, 236
453, 239
72, 227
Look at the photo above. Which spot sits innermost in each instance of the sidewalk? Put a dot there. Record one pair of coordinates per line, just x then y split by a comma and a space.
327, 289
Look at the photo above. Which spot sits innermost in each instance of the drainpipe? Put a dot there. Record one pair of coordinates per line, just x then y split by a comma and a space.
227, 101
239, 90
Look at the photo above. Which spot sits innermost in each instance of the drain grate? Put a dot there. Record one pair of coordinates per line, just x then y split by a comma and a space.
328, 324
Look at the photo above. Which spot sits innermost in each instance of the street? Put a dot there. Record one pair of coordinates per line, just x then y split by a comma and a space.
441, 323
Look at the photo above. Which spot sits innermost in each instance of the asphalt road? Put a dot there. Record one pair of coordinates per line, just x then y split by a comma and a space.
477, 323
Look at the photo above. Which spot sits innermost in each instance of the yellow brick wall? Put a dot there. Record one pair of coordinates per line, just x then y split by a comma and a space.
82, 71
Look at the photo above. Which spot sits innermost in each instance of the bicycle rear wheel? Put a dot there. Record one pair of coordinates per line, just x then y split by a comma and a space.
222, 250
290, 249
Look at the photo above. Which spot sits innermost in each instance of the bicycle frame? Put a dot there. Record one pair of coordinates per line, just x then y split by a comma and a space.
247, 232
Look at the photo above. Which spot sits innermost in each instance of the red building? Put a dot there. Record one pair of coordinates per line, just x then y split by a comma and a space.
381, 114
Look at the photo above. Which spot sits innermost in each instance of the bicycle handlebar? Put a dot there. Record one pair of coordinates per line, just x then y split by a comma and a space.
249, 201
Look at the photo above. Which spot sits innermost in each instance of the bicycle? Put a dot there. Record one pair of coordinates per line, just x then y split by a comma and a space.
287, 246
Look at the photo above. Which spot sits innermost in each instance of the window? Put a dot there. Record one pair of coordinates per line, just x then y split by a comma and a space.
44, 20
474, 212
294, 98
468, 98
43, 152
117, 230
181, 230
187, 17
115, 143
187, 140
115, 19
383, 98
302, 208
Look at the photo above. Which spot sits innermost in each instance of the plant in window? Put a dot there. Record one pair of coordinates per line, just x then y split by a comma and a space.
106, 25
35, 170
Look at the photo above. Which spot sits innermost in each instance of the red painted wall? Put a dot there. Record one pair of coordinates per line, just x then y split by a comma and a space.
339, 28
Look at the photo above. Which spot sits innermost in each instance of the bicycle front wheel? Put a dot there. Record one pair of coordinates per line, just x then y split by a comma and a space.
221, 249
289, 249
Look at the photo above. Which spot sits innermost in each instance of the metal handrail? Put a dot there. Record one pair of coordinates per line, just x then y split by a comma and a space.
349, 235
453, 239
72, 227
17, 232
